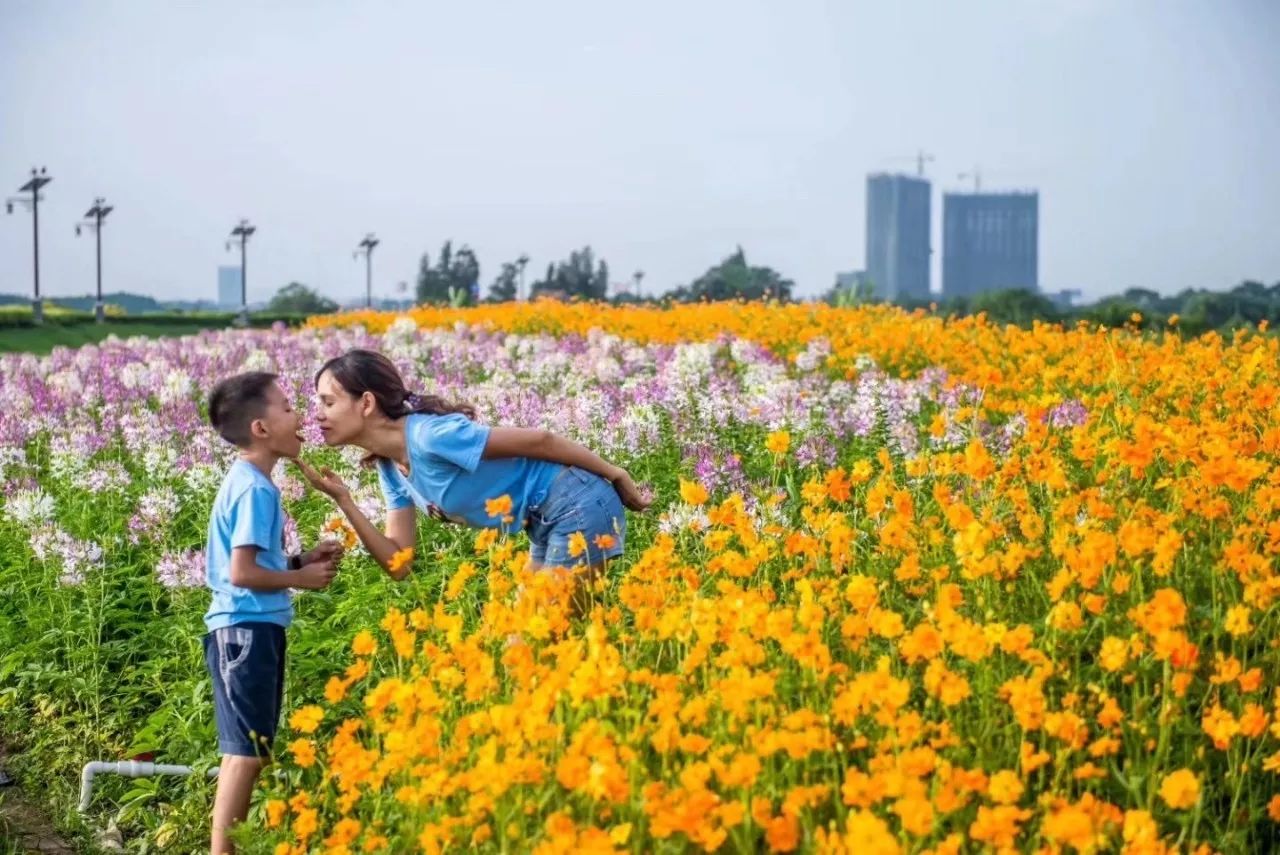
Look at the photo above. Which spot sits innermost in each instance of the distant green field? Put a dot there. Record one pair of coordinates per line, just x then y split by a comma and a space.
46, 338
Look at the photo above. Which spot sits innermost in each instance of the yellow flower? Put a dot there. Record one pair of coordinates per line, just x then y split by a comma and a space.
693, 493
335, 690
364, 644
275, 812
304, 752
1237, 622
400, 559
1180, 789
1005, 787
1114, 653
306, 719
577, 544
499, 507
778, 442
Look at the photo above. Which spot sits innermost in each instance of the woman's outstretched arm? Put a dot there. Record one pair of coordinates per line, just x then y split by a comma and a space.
545, 445
402, 529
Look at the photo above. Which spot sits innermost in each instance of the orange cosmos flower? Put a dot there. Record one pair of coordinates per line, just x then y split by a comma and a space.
306, 719
693, 493
499, 507
364, 644
1180, 789
400, 559
778, 442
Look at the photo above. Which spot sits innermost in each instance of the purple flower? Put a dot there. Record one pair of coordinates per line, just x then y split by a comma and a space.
1070, 413
75, 557
181, 569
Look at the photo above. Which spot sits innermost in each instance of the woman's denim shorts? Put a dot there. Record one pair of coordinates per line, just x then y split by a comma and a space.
578, 502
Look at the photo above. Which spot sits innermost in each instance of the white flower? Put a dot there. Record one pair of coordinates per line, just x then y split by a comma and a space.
202, 478
12, 456
30, 506
681, 516
257, 360
403, 327
108, 476
177, 386
67, 382
135, 375
76, 557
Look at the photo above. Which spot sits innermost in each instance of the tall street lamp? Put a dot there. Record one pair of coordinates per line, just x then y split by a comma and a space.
240, 234
93, 220
365, 248
31, 201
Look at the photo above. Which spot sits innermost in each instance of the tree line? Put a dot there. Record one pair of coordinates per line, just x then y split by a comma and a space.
1192, 310
453, 276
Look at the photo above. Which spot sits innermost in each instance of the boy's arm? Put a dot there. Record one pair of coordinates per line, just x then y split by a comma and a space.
245, 572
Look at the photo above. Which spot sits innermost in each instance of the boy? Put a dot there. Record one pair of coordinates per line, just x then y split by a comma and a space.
250, 576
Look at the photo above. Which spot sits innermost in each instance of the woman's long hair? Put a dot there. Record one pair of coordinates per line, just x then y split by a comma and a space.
359, 371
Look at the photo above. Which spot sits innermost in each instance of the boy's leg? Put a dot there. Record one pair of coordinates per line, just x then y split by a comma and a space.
236, 778
246, 663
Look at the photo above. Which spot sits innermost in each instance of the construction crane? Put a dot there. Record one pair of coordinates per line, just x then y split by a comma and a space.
976, 175
921, 158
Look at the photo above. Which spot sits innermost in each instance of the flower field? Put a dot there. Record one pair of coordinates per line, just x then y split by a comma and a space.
908, 585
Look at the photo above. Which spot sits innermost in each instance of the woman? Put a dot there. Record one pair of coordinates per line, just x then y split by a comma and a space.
435, 456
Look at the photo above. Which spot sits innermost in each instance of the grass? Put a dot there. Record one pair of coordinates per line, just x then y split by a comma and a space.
44, 339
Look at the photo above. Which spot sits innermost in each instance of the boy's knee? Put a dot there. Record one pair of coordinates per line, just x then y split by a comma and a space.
243, 763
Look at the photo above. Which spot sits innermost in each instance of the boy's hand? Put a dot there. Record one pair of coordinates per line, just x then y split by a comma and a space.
630, 494
317, 575
325, 550
326, 481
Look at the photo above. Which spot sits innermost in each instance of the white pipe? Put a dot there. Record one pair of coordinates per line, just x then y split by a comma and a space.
130, 769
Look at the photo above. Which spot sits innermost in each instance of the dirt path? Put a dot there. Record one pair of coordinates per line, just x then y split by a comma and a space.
23, 824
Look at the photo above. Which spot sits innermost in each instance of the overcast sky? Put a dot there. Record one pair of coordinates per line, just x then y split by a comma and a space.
662, 133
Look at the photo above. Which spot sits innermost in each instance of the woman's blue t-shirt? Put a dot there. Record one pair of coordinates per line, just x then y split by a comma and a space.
446, 470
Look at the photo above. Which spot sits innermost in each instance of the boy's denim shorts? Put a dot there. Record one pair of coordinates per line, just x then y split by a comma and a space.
577, 502
246, 662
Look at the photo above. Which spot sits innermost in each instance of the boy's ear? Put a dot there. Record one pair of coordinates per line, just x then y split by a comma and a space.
258, 428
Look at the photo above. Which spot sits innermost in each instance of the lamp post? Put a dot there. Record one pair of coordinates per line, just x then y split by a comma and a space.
31, 201
240, 234
93, 220
365, 248
521, 262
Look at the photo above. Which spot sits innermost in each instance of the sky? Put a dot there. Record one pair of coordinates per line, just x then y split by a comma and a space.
663, 134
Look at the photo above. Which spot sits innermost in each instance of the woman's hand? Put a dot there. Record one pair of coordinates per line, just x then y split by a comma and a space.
326, 481
630, 494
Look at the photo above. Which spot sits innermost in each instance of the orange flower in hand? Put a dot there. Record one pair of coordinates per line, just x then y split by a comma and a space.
400, 559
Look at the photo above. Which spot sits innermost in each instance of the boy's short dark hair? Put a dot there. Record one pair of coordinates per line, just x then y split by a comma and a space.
236, 402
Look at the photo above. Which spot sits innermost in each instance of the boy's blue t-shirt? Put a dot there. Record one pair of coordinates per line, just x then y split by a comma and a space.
246, 512
446, 470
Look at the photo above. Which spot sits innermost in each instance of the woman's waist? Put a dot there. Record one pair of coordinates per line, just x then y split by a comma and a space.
570, 486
